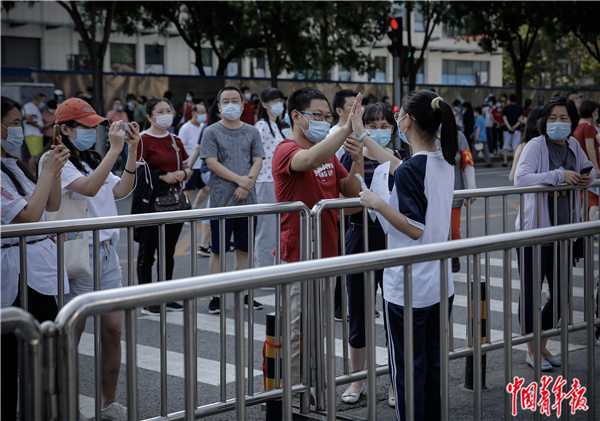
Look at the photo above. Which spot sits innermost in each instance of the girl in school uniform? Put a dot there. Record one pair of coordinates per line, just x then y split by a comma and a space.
87, 176
25, 199
418, 213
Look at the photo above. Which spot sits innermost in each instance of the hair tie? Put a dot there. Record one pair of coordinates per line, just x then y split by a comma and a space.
435, 102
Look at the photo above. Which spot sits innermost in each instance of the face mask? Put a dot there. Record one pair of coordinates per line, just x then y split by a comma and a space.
231, 111
558, 131
457, 109
276, 109
14, 139
201, 118
61, 98
498, 105
131, 105
381, 136
51, 110
317, 130
287, 120
189, 98
164, 121
85, 139
400, 134
42, 106
248, 96
120, 108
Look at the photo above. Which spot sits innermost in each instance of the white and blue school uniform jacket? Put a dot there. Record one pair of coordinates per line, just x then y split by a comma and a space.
423, 190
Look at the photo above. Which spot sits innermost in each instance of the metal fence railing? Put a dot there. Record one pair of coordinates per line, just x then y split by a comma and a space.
317, 277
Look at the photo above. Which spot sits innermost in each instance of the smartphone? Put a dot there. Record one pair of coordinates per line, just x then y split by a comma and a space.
124, 127
56, 135
586, 171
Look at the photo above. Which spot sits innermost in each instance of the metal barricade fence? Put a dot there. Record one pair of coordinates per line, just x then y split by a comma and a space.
189, 289
21, 231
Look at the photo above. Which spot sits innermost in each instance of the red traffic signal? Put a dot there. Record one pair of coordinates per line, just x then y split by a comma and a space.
396, 108
393, 23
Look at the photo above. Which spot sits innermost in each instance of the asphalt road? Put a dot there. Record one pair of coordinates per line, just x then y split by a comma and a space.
461, 401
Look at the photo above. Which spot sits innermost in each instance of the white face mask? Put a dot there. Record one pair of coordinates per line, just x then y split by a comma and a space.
231, 111
163, 121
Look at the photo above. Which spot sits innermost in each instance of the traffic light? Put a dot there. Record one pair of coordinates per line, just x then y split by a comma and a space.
408, 55
395, 35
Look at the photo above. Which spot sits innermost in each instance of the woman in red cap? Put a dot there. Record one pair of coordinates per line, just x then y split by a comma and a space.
87, 176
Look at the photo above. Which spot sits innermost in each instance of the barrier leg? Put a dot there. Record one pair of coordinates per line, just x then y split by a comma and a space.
469, 359
272, 407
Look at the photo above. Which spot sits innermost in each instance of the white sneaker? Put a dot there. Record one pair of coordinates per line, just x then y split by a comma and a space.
114, 412
391, 397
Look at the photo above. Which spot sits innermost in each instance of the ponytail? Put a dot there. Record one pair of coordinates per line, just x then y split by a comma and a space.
429, 111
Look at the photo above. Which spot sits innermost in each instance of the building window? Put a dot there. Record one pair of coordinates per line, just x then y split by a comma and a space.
418, 21
154, 58
207, 61
379, 74
421, 74
13, 49
257, 68
234, 68
122, 57
466, 73
344, 75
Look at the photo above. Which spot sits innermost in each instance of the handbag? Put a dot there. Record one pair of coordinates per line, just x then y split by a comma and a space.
77, 250
174, 199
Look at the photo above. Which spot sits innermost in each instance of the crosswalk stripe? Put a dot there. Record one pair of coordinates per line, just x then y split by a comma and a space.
148, 358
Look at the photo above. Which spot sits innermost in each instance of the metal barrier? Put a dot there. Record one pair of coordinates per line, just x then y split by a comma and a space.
21, 231
314, 289
27, 330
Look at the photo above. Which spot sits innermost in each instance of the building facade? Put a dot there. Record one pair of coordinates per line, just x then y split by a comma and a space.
45, 32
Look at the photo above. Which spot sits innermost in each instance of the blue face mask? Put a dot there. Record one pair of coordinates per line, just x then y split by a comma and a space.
248, 96
85, 139
276, 109
201, 118
131, 105
558, 131
381, 136
231, 111
120, 108
42, 106
401, 135
14, 139
287, 120
317, 130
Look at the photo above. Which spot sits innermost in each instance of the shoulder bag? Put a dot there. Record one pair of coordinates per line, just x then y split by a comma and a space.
174, 199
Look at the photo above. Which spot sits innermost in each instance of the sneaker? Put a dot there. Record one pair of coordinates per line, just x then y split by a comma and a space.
337, 316
455, 265
203, 251
377, 314
257, 305
152, 310
214, 307
114, 412
174, 306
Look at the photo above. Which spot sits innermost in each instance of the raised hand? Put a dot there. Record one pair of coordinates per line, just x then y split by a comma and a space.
133, 130
355, 112
55, 160
116, 136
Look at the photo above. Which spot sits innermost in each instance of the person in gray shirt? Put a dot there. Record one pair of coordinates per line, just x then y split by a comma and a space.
233, 153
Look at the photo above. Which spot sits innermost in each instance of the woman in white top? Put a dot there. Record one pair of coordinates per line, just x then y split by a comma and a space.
418, 213
269, 125
88, 177
25, 200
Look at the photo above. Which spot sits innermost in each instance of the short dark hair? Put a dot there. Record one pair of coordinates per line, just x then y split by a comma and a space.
229, 88
558, 101
512, 98
528, 102
339, 99
300, 100
244, 88
587, 108
190, 92
456, 102
40, 95
377, 111
8, 104
131, 96
478, 110
531, 129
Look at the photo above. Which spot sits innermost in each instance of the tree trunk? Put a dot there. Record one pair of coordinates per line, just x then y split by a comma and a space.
222, 67
324, 41
98, 85
519, 84
199, 63
412, 78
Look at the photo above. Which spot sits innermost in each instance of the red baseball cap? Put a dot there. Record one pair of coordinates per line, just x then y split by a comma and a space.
78, 110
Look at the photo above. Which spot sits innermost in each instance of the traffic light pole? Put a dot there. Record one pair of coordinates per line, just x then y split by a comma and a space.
397, 81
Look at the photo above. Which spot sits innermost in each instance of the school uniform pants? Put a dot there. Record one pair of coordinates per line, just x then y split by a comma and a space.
426, 349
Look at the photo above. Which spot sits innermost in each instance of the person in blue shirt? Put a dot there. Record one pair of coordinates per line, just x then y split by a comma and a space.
480, 137
418, 213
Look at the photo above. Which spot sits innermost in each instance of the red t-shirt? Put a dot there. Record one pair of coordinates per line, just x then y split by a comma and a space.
158, 152
497, 115
309, 187
249, 113
586, 131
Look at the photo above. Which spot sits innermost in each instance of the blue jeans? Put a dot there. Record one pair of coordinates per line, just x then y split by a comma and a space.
426, 341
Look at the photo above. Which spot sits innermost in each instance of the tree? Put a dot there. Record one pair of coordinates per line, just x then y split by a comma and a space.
579, 19
512, 26
88, 17
431, 13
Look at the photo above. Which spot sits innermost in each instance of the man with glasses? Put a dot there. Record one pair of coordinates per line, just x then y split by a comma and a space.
233, 153
306, 169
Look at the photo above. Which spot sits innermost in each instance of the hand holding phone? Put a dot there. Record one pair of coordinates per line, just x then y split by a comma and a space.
586, 171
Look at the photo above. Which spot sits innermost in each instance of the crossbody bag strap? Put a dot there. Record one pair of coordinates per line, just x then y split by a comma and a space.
176, 151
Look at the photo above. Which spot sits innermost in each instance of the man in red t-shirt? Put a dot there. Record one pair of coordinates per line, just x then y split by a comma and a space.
249, 110
305, 168
588, 139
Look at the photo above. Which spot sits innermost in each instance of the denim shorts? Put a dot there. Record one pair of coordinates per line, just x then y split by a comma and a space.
110, 272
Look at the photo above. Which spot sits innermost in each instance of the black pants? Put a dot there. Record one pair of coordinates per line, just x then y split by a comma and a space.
148, 239
42, 307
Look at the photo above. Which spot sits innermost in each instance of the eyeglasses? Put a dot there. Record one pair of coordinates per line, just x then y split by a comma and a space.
319, 116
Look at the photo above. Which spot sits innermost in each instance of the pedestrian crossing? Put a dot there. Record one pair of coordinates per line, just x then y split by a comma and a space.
208, 371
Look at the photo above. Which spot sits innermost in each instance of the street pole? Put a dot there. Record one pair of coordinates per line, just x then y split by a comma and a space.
397, 78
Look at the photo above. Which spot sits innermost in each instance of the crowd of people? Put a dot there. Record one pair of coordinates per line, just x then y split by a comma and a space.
244, 148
